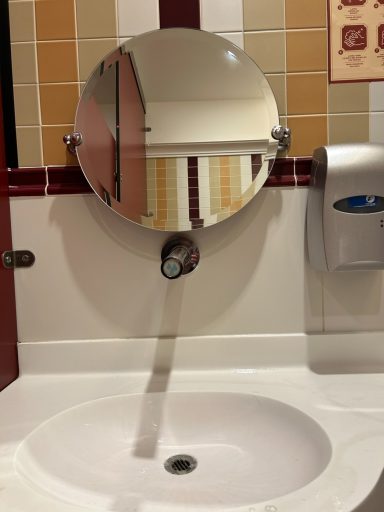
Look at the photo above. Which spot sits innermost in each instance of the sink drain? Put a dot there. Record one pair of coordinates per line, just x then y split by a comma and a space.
180, 464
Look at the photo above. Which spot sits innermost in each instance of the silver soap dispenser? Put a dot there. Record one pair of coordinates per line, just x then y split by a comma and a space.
345, 211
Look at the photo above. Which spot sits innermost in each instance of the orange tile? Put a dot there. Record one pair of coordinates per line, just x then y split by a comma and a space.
57, 61
54, 150
308, 133
305, 13
55, 19
58, 103
307, 93
306, 50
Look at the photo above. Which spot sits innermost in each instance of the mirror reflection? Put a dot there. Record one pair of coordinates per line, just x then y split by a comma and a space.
176, 127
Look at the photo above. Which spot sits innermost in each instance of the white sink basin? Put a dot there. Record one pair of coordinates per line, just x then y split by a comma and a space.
109, 454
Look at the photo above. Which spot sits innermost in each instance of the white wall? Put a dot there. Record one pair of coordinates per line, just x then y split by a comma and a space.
98, 276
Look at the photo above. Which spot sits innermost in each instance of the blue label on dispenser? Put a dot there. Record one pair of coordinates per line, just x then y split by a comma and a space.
361, 201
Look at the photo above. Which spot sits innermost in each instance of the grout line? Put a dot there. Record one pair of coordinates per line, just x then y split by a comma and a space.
77, 41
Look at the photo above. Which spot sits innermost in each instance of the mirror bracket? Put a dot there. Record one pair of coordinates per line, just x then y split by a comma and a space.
72, 140
283, 135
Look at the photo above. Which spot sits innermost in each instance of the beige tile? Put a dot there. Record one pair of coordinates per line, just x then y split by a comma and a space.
308, 133
306, 50
278, 86
353, 97
55, 19
307, 93
58, 103
22, 21
57, 61
24, 63
96, 19
348, 128
305, 13
26, 105
54, 150
267, 49
91, 52
29, 146
263, 14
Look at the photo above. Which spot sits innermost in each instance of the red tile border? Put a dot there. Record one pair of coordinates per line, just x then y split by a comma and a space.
27, 181
176, 13
282, 173
67, 180
303, 171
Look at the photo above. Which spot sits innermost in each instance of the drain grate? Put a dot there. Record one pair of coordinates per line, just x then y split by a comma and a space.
180, 464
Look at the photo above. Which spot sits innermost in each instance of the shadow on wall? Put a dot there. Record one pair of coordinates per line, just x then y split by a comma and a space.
116, 266
374, 502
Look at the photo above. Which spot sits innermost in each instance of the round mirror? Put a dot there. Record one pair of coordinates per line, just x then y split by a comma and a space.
176, 129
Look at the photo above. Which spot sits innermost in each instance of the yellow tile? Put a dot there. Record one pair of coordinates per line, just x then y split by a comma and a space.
278, 86
348, 128
267, 49
307, 93
26, 98
263, 14
24, 63
353, 97
305, 13
55, 19
308, 133
58, 103
29, 146
22, 21
54, 150
306, 50
96, 19
57, 61
91, 52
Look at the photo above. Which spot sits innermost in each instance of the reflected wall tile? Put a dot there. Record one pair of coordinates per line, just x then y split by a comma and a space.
376, 96
26, 100
348, 128
55, 19
29, 146
376, 127
236, 38
221, 15
24, 63
96, 19
307, 93
278, 86
22, 21
308, 133
136, 16
306, 50
57, 61
267, 49
349, 97
91, 52
263, 14
58, 103
54, 151
305, 14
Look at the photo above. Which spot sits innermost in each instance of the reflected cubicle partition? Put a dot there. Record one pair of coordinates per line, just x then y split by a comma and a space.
176, 127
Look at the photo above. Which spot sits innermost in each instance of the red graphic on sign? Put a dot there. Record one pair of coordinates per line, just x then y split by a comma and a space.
381, 1
356, 2
380, 34
354, 37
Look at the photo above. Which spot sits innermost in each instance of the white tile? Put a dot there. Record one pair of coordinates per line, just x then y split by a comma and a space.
236, 38
354, 301
376, 127
105, 281
221, 15
376, 96
136, 16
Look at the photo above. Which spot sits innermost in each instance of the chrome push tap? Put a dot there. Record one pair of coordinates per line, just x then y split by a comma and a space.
179, 256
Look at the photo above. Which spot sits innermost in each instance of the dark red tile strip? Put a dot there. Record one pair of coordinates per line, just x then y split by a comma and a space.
67, 180
282, 173
179, 13
27, 181
303, 171
193, 193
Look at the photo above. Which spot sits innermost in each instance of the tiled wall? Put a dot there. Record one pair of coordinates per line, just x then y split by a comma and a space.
56, 43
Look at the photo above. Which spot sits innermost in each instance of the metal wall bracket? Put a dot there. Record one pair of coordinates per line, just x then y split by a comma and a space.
17, 259
283, 135
71, 140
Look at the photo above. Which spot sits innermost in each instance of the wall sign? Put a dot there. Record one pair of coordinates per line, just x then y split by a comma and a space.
356, 40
